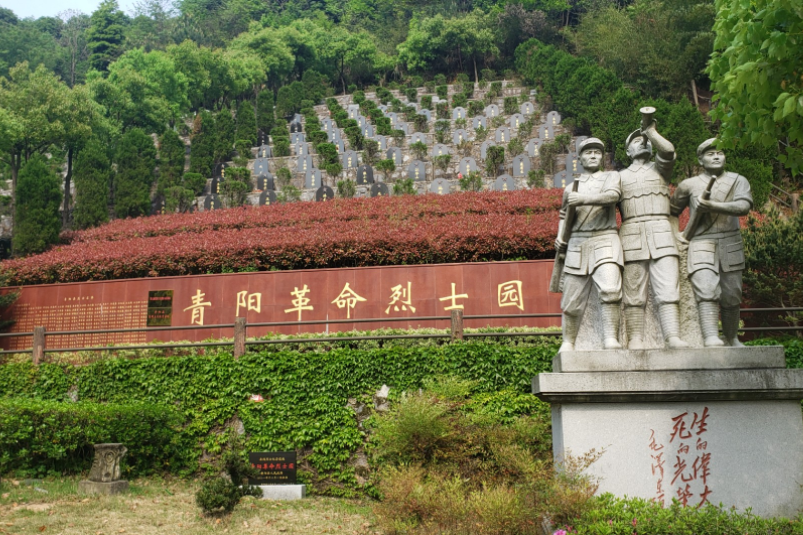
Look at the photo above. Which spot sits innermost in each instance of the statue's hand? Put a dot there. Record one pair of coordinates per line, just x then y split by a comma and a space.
576, 199
704, 205
648, 129
560, 246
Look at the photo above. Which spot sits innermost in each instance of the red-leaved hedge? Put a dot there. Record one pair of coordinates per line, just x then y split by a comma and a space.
427, 229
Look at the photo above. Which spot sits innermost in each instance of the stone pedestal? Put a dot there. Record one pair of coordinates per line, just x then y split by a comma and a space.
283, 492
104, 476
718, 425
101, 487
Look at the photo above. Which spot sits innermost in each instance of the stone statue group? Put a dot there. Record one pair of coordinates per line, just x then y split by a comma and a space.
625, 263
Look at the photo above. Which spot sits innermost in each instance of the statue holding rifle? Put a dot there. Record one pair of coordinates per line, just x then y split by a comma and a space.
588, 248
716, 199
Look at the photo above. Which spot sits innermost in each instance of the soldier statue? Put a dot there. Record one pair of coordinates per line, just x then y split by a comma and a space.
715, 199
593, 253
650, 252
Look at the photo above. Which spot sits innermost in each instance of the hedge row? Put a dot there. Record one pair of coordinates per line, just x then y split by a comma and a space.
433, 230
304, 408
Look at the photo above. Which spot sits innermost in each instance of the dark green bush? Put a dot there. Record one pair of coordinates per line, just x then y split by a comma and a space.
217, 496
281, 147
442, 91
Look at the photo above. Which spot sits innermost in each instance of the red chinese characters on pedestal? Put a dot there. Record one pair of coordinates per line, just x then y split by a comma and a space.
657, 465
691, 467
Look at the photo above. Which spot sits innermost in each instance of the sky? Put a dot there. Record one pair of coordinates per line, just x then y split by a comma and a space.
51, 8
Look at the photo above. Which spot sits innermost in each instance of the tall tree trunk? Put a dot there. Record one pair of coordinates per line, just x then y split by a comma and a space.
65, 213
476, 78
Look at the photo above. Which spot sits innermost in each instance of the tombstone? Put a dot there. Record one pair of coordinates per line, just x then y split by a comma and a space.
261, 167
435, 99
484, 147
417, 170
502, 135
459, 136
365, 175
295, 127
395, 154
340, 145
418, 137
504, 183
579, 140
546, 133
304, 163
413, 105
532, 147
467, 165
361, 122
440, 150
383, 108
220, 170
440, 186
265, 182
553, 118
492, 110
404, 127
527, 108
521, 165
349, 159
297, 118
476, 122
392, 117
354, 111
562, 179
212, 202
458, 113
515, 120
368, 131
336, 135
327, 125
302, 149
380, 189
158, 205
573, 166
324, 193
425, 112
267, 198
382, 141
264, 151
312, 178
214, 186
262, 138
297, 138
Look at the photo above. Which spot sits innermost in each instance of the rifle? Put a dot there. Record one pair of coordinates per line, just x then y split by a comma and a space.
691, 227
556, 282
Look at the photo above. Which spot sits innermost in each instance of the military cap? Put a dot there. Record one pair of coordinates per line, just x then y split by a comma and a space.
633, 135
704, 146
590, 142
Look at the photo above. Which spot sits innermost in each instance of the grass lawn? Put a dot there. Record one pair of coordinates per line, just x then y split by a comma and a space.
155, 505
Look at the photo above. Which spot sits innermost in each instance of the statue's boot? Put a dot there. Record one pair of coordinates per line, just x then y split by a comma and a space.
709, 323
730, 326
610, 326
571, 325
670, 325
634, 318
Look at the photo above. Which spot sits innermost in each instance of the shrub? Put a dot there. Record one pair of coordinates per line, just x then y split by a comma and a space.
135, 159
203, 144
511, 105
219, 495
536, 178
92, 180
36, 211
442, 162
442, 110
475, 108
442, 91
439, 79
264, 113
246, 123
419, 149
488, 75
495, 157
515, 147
459, 100
281, 148
480, 133
411, 94
284, 176
398, 137
426, 102
358, 97
443, 129
346, 188
471, 182
386, 167
289, 193
405, 186
421, 123
496, 89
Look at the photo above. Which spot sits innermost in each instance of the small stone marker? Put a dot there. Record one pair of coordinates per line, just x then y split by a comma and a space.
515, 120
267, 198
354, 111
264, 151
458, 113
426, 113
532, 147
324, 193
546, 133
297, 138
104, 476
440, 150
417, 170
553, 118
365, 175
459, 136
527, 108
502, 135
440, 186
505, 183
383, 142
368, 131
262, 138
349, 159
562, 179
312, 178
476, 122
395, 154
304, 163
573, 164
492, 110
265, 182
380, 189
301, 149
326, 125
521, 165
361, 122
212, 202
467, 165
277, 473
419, 137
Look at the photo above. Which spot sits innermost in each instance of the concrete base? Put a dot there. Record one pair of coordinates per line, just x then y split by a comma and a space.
722, 430
98, 487
283, 492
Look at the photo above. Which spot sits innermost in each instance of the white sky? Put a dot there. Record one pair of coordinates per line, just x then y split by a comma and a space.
51, 8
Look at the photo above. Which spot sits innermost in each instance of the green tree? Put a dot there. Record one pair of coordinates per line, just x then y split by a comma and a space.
275, 57
92, 182
246, 122
224, 135
755, 74
202, 148
135, 159
37, 222
105, 34
265, 117
171, 160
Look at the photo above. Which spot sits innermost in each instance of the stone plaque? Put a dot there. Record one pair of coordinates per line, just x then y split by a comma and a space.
361, 122
160, 308
340, 145
324, 193
440, 150
492, 110
417, 170
327, 125
220, 170
304, 163
440, 186
484, 147
459, 136
505, 183
392, 117
336, 136
502, 135
295, 127
383, 142
368, 131
562, 179
275, 468
214, 186
532, 147
354, 111
573, 166
302, 149
312, 178
404, 127
212, 202
297, 138
380, 189
476, 122
553, 118
419, 137
527, 108
158, 205
262, 138
297, 118
267, 198
395, 154
365, 175
458, 113
264, 151
467, 165
426, 113
265, 182
515, 120
547, 133
349, 159
521, 165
